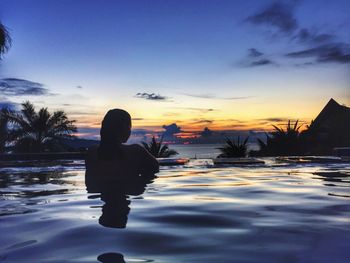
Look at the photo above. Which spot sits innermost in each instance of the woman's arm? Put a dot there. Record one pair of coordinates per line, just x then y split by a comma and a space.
148, 164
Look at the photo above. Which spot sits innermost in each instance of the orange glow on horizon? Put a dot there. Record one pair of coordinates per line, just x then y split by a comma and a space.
230, 117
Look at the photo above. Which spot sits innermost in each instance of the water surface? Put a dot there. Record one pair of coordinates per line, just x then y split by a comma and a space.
196, 213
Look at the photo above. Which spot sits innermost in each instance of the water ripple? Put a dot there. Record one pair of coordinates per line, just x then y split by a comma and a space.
272, 213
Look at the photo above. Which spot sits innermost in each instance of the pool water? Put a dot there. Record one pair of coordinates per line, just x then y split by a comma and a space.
192, 213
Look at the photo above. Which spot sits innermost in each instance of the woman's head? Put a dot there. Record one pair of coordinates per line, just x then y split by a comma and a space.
116, 126
115, 130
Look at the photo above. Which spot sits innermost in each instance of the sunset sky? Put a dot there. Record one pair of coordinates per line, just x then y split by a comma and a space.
225, 65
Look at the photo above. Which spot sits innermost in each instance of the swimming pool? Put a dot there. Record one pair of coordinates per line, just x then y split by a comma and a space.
193, 213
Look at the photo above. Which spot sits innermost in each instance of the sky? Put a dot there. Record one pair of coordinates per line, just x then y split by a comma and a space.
178, 66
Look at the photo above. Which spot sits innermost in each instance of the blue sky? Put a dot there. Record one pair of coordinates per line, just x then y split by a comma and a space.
245, 60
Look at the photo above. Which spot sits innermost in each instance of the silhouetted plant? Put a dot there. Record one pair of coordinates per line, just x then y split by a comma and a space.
5, 40
39, 131
234, 149
4, 131
282, 141
158, 149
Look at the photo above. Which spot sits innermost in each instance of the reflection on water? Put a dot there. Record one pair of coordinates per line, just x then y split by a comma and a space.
274, 213
111, 257
115, 195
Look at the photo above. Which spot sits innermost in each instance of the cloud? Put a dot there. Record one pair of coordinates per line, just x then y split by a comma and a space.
79, 87
319, 46
137, 119
306, 64
255, 58
278, 15
274, 119
305, 35
213, 96
150, 96
206, 132
22, 87
338, 53
202, 121
254, 53
261, 62
171, 129
4, 103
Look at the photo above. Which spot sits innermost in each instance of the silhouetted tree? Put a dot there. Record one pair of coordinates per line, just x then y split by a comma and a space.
234, 149
4, 131
39, 131
158, 149
5, 40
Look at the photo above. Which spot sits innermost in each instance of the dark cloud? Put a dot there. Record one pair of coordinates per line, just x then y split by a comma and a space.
279, 121
302, 65
256, 58
279, 15
150, 96
171, 129
261, 62
275, 119
79, 87
203, 121
213, 96
22, 87
254, 53
319, 46
4, 103
305, 35
206, 132
338, 53
137, 119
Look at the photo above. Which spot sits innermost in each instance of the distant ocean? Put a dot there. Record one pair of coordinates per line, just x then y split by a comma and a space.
202, 150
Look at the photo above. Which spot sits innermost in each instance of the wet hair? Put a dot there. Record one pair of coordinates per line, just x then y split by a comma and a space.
113, 133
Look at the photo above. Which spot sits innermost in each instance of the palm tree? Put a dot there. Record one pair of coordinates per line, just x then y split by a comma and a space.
39, 131
5, 40
158, 149
234, 149
4, 132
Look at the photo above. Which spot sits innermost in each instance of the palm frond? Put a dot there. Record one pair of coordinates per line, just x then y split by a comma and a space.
5, 40
35, 130
282, 141
234, 149
158, 149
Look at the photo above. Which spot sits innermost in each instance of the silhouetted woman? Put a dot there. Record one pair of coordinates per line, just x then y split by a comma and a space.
117, 170
113, 160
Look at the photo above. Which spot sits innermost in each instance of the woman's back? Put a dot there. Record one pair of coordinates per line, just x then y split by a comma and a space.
132, 163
